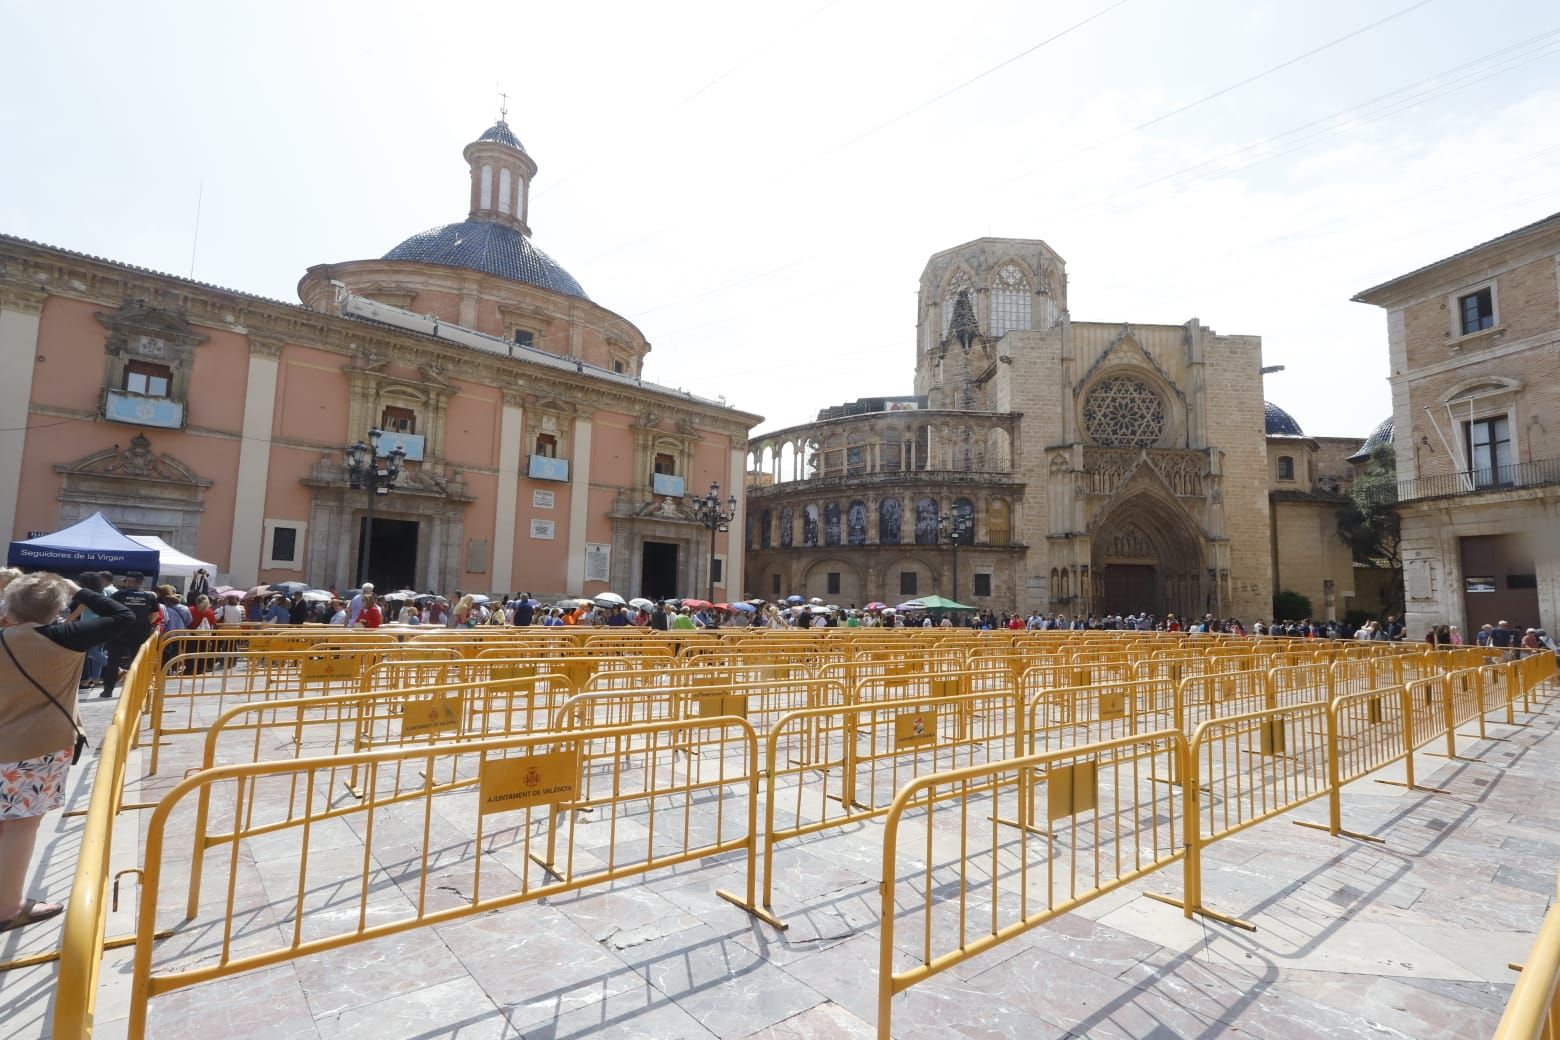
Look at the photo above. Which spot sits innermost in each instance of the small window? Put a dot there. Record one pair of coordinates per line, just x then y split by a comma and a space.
718, 571
982, 584
1286, 468
147, 379
665, 463
834, 583
1521, 581
398, 420
619, 367
525, 338
284, 543
1477, 310
546, 446
907, 583
774, 584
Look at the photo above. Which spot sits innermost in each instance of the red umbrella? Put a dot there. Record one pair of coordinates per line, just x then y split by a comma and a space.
875, 605
697, 604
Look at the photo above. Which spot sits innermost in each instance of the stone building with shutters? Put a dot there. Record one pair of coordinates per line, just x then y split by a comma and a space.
538, 456
1108, 467
1474, 343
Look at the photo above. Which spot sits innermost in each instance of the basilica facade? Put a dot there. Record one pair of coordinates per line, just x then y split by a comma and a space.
1055, 465
538, 456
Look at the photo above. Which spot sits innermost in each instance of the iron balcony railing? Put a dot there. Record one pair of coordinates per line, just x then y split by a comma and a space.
1477, 481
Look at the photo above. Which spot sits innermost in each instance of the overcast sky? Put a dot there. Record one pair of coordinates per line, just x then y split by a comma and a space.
758, 186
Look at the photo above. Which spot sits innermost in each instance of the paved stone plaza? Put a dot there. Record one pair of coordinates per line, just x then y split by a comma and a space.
1409, 939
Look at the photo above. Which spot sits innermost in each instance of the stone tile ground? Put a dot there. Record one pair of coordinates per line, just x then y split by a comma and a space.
1407, 939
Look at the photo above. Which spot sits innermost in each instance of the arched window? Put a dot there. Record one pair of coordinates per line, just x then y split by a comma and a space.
831, 524
787, 521
810, 525
926, 522
889, 514
1286, 468
999, 522
856, 523
964, 513
1011, 309
764, 530
961, 282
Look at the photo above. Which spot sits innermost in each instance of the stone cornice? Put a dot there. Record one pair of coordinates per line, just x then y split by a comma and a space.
20, 298
27, 269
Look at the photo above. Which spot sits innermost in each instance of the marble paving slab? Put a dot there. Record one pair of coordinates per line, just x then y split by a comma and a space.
1406, 940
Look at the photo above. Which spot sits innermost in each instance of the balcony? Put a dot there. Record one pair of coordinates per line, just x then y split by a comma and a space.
891, 478
140, 410
1486, 481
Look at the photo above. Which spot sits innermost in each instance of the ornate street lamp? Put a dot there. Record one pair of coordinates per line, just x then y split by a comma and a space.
955, 528
363, 472
707, 511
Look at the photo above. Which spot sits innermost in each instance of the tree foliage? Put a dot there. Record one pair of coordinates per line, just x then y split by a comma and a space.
1369, 524
1291, 606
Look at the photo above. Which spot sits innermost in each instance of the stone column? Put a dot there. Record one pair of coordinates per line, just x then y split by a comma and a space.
21, 313
579, 506
511, 429
733, 578
254, 461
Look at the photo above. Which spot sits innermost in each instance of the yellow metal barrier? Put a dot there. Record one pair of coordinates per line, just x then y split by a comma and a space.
1533, 1010
979, 882
705, 805
1255, 766
1365, 731
832, 766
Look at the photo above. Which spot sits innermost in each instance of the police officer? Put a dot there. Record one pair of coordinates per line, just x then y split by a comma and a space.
122, 649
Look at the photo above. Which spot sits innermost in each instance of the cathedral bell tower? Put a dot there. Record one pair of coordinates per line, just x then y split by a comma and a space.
501, 175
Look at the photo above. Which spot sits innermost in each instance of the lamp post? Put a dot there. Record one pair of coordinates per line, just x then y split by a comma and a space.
955, 527
363, 472
707, 511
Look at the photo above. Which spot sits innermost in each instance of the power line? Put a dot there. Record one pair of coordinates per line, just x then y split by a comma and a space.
982, 75
1434, 87
774, 41
1216, 94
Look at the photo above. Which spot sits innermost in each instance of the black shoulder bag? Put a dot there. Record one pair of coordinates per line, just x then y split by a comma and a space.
81, 738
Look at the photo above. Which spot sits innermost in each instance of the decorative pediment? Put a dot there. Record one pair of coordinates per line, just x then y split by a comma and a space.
137, 318
137, 462
1126, 351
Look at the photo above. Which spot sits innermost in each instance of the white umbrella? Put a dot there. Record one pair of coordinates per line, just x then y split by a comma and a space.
480, 599
611, 599
641, 603
317, 596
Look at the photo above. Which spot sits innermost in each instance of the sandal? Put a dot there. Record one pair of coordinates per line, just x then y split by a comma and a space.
30, 914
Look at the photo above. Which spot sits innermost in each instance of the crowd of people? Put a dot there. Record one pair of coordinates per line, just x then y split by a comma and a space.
61, 637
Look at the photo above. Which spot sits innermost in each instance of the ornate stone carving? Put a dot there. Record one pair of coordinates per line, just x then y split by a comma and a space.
1106, 470
1121, 411
138, 461
1130, 543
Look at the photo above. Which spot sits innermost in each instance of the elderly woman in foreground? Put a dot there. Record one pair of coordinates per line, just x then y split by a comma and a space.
40, 666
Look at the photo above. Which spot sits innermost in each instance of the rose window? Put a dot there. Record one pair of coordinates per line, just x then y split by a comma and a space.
1122, 412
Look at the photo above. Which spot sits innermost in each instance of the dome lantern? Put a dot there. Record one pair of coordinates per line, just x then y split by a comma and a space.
501, 173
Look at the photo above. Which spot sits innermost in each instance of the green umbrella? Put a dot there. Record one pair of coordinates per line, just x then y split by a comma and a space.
938, 603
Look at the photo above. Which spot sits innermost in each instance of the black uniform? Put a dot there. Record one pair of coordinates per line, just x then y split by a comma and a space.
122, 649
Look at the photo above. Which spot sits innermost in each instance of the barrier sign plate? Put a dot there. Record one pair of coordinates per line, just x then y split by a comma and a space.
518, 783
915, 728
434, 715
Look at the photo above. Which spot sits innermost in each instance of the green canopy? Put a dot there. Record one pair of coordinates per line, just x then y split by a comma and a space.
938, 603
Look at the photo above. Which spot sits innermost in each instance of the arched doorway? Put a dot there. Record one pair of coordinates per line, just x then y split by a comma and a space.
1146, 554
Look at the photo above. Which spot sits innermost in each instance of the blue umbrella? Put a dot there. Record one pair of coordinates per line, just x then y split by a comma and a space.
746, 608
796, 599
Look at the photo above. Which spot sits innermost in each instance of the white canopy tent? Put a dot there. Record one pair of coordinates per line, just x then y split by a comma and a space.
171, 563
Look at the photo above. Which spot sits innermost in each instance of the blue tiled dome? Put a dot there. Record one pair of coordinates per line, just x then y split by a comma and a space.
499, 133
1280, 423
496, 249
1382, 434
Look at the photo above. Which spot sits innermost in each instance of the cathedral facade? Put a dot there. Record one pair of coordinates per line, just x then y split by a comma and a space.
1059, 465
